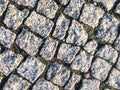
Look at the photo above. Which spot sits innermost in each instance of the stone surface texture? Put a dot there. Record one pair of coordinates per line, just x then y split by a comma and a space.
15, 17
59, 44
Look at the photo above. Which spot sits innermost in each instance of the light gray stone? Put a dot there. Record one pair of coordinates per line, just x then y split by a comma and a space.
100, 69
67, 52
82, 62
39, 24
118, 63
91, 46
73, 81
47, 8
61, 27
16, 83
31, 69
73, 9
43, 84
9, 61
107, 30
3, 6
6, 37
48, 49
76, 34
105, 3
28, 42
91, 15
117, 43
117, 10
30, 3
90, 84
14, 17
64, 2
114, 79
108, 53
58, 74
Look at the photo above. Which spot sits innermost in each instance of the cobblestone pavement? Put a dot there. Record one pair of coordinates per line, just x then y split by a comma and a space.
59, 44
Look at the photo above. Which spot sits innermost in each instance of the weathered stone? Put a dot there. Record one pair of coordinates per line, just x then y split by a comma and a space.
100, 69
61, 27
114, 79
117, 43
72, 82
74, 7
107, 30
47, 8
28, 42
105, 3
64, 2
90, 84
117, 10
67, 52
31, 69
3, 6
82, 62
9, 61
48, 49
108, 53
58, 74
91, 46
118, 63
91, 15
1, 77
30, 3
16, 83
43, 84
15, 17
6, 37
39, 24
77, 34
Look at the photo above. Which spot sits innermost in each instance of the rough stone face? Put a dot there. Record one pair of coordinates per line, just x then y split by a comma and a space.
91, 46
31, 69
43, 84
114, 79
3, 6
58, 74
73, 80
105, 3
47, 8
90, 84
61, 27
15, 17
64, 2
118, 63
82, 62
67, 52
30, 3
91, 15
107, 30
39, 24
9, 61
6, 37
16, 83
117, 10
77, 34
117, 43
100, 69
74, 7
48, 49
108, 53
28, 42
